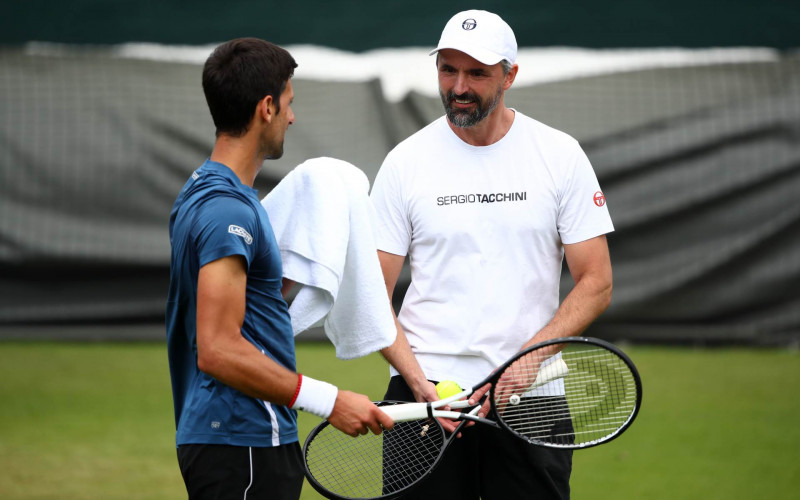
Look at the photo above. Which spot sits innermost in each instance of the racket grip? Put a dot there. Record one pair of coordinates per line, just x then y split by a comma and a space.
557, 369
406, 411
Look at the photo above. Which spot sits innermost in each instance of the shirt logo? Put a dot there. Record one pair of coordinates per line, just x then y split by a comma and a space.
469, 24
239, 231
599, 199
459, 199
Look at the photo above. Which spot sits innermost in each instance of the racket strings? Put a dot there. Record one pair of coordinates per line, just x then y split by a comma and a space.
372, 466
591, 403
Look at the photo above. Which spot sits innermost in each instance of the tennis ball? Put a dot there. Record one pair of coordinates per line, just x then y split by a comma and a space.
447, 388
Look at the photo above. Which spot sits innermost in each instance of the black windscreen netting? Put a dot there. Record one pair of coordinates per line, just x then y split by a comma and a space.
699, 159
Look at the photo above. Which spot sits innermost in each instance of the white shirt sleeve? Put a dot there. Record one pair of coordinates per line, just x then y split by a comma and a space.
583, 211
393, 232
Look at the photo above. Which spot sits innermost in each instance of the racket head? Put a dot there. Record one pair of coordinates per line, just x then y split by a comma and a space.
590, 402
371, 466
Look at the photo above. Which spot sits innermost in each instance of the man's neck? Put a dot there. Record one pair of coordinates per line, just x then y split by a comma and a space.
238, 154
490, 130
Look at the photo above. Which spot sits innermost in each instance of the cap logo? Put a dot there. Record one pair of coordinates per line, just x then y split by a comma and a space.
469, 24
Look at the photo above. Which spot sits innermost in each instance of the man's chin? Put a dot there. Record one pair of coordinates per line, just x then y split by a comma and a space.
462, 120
274, 155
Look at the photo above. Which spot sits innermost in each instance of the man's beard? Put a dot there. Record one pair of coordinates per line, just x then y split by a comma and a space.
274, 150
464, 118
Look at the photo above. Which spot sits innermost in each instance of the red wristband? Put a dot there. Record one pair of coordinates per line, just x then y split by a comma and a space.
296, 391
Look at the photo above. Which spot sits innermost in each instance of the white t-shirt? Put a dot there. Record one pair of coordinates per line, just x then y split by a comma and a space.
483, 228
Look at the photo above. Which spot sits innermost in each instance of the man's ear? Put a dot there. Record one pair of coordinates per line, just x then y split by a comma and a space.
510, 76
266, 108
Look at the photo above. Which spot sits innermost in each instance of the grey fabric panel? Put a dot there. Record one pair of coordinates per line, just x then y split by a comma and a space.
95, 152
701, 166
708, 228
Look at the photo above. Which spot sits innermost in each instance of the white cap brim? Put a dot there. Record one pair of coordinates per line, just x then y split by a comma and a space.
480, 54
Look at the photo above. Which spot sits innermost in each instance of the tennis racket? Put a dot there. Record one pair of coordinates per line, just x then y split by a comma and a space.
568, 393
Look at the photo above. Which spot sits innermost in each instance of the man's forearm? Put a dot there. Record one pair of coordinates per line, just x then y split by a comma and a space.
585, 303
402, 358
399, 354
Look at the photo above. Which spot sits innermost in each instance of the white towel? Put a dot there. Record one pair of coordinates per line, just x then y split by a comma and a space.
324, 223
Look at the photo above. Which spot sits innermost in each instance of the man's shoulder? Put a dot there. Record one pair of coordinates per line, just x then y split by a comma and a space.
429, 134
548, 133
209, 188
217, 203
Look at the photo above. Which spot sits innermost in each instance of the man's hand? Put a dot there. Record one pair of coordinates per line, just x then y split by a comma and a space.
354, 414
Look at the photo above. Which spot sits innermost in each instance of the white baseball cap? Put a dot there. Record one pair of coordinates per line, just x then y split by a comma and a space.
481, 35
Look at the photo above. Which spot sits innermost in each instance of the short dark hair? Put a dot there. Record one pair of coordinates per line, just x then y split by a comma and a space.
238, 74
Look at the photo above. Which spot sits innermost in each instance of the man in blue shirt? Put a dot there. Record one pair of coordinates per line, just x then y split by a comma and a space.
229, 335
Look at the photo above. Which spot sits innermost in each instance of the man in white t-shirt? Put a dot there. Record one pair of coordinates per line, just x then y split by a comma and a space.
486, 203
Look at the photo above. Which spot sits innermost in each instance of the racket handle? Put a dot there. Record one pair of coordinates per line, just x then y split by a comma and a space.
406, 411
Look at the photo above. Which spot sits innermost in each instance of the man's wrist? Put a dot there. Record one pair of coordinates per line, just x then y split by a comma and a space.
314, 396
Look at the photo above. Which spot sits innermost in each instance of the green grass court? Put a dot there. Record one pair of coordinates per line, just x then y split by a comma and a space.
94, 421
